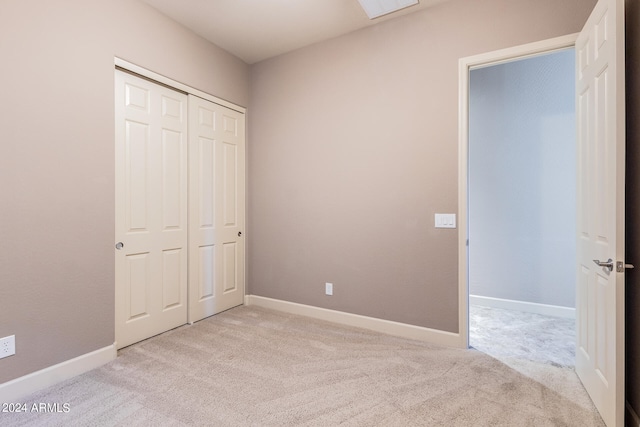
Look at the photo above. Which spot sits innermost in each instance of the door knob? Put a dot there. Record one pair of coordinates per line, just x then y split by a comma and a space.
607, 264
119, 245
239, 233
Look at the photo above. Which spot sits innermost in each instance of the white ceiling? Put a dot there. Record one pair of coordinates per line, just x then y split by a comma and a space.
254, 30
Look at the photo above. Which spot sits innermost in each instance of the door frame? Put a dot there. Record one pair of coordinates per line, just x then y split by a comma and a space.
465, 65
173, 84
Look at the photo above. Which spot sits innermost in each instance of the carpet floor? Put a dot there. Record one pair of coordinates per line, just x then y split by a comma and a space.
255, 367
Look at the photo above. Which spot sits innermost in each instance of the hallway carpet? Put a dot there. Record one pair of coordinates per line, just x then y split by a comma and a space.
256, 367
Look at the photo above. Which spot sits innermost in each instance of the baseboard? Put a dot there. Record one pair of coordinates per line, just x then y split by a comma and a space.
632, 417
14, 390
433, 336
528, 307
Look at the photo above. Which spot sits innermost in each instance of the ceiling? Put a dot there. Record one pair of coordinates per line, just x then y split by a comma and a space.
254, 30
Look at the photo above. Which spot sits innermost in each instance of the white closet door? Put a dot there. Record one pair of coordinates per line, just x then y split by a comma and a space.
151, 209
216, 211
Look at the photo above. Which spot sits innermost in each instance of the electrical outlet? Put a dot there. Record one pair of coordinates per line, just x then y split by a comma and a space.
328, 288
7, 346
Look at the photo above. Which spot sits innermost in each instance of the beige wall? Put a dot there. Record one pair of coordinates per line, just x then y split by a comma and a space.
353, 148
57, 161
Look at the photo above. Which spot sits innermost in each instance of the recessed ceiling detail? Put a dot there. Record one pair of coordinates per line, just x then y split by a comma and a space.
378, 8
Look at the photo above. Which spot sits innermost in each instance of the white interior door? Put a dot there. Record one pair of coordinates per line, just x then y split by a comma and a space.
601, 157
216, 216
151, 208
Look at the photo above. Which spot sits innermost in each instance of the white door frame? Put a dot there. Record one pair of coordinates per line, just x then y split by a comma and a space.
159, 78
465, 65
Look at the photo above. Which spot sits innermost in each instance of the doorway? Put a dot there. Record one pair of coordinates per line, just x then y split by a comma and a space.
600, 196
522, 208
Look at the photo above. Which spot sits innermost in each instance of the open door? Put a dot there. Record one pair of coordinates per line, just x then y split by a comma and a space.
600, 118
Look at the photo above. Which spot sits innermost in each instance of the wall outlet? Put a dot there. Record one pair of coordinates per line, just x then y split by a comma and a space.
7, 346
328, 288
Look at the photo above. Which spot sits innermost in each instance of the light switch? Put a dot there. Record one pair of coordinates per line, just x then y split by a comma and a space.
445, 220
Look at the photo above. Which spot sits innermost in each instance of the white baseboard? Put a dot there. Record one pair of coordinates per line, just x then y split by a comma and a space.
433, 336
528, 307
12, 391
635, 420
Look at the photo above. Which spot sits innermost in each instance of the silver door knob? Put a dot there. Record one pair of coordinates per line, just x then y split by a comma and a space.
607, 264
119, 245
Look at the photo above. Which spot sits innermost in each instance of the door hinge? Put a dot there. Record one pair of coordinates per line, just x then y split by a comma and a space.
621, 266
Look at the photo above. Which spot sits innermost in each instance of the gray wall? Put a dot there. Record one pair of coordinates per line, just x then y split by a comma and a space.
522, 180
57, 161
633, 206
354, 147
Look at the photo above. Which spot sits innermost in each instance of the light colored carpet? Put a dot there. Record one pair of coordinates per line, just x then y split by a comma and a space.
538, 346
253, 367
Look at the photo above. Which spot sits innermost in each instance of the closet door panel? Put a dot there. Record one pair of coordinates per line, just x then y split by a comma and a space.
216, 171
151, 208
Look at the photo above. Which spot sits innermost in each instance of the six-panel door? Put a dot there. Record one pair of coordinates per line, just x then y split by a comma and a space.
151, 209
216, 220
600, 116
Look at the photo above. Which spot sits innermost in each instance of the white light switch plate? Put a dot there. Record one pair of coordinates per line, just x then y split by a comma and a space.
445, 220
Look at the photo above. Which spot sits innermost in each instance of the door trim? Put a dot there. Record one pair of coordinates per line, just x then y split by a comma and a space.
465, 65
159, 78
